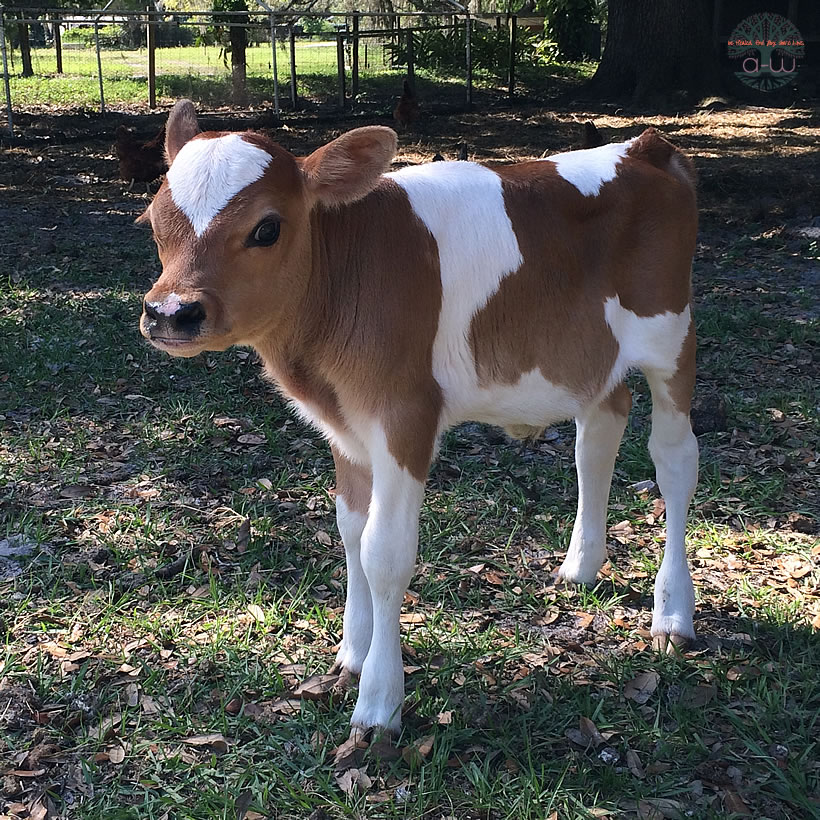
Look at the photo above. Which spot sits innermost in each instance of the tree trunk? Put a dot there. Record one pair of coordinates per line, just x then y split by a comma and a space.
239, 43
657, 47
25, 48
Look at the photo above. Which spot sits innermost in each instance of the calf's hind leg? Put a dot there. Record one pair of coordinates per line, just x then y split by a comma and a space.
674, 450
598, 437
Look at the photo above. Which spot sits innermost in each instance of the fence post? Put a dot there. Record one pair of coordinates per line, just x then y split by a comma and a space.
273, 65
58, 43
340, 66
468, 26
151, 37
411, 60
294, 100
99, 64
6, 71
513, 25
354, 80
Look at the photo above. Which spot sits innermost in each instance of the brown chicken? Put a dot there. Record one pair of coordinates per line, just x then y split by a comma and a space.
140, 160
406, 111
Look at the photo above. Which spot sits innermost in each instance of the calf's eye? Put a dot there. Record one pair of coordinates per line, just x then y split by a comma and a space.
264, 234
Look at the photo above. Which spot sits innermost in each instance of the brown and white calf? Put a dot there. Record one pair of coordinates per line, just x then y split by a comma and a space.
388, 307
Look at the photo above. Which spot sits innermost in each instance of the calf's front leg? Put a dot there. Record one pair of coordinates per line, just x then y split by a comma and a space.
388, 556
353, 488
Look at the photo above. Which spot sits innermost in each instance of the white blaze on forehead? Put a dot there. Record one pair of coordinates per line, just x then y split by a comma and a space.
588, 170
462, 205
207, 173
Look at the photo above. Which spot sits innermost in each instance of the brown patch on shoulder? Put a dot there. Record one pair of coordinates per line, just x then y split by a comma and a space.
549, 314
411, 427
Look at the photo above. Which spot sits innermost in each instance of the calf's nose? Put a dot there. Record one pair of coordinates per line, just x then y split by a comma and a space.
182, 318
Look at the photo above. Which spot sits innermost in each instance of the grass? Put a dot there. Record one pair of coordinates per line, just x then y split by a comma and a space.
127, 695
201, 73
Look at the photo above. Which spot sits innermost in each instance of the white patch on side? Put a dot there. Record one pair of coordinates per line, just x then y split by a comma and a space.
646, 342
207, 173
589, 169
169, 305
462, 205
532, 401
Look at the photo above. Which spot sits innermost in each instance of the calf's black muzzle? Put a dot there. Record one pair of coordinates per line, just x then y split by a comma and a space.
172, 319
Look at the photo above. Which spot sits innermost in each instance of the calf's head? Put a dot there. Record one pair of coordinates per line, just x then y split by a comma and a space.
232, 223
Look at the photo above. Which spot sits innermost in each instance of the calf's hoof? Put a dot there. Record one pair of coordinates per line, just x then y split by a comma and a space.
672, 644
573, 573
381, 719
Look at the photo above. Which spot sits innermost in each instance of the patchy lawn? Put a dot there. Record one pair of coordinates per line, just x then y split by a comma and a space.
170, 572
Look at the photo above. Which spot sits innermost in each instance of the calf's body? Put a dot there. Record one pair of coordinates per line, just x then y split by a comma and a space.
388, 307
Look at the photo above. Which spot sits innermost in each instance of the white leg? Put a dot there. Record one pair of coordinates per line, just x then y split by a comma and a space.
598, 436
674, 449
353, 486
358, 617
388, 557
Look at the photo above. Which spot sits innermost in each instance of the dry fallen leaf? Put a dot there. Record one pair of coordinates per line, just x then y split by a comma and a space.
699, 696
316, 687
38, 812
641, 687
251, 439
77, 491
256, 613
352, 780
583, 620
418, 751
286, 706
590, 730
215, 740
633, 763
243, 536
349, 754
733, 803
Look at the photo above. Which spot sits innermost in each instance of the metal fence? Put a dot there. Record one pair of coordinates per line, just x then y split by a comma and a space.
116, 57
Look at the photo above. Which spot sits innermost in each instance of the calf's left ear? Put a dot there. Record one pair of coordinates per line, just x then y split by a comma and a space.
182, 126
349, 167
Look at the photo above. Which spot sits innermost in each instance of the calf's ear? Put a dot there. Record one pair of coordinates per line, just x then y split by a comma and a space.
349, 167
182, 126
144, 219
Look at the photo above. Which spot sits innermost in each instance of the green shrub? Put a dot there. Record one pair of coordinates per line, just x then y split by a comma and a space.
110, 36
316, 25
572, 25
446, 49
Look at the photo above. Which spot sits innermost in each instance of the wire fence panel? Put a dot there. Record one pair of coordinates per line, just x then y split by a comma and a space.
77, 57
